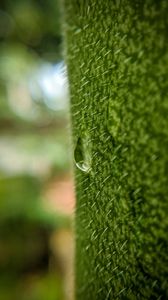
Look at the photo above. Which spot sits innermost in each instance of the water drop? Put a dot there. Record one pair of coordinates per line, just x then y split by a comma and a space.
82, 155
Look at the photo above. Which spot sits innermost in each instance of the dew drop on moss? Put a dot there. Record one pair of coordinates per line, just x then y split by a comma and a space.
81, 156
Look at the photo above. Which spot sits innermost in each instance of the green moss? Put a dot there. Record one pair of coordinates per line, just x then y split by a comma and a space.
117, 56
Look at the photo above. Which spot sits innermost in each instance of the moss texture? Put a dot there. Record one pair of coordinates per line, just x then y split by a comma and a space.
117, 56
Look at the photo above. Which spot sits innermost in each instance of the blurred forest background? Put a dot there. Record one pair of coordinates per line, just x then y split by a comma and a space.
36, 189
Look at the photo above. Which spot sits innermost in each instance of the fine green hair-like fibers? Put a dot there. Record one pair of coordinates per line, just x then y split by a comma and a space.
117, 57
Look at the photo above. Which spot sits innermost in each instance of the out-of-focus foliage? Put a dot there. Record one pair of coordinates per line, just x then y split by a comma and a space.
40, 287
33, 146
34, 24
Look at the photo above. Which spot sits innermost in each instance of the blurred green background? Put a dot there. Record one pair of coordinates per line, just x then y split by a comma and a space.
36, 189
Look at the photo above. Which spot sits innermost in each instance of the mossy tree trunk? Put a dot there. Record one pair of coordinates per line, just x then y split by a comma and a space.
117, 56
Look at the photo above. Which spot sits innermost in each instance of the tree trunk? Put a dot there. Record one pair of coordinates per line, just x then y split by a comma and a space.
117, 57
